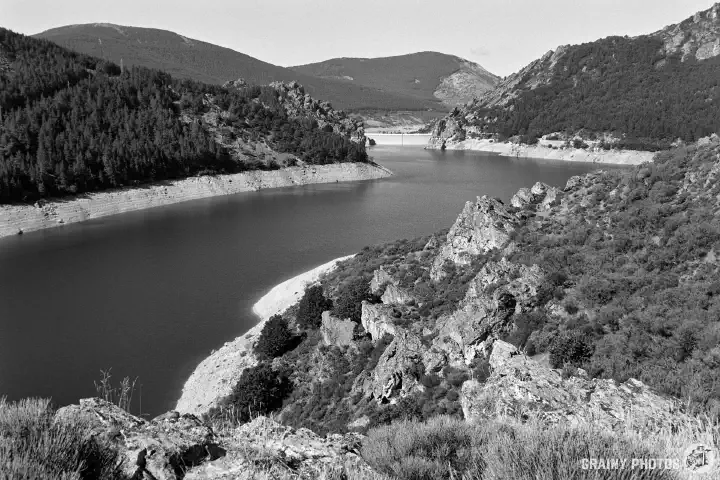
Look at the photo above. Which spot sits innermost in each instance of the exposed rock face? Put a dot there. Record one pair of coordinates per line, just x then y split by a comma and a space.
482, 315
395, 295
297, 103
468, 82
518, 386
380, 278
482, 226
697, 38
299, 451
542, 196
337, 332
377, 320
161, 449
399, 367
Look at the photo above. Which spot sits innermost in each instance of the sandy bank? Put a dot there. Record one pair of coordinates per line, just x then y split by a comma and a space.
26, 218
215, 377
617, 157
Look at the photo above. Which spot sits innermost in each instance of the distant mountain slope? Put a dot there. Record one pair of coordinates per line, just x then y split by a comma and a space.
426, 75
655, 88
189, 58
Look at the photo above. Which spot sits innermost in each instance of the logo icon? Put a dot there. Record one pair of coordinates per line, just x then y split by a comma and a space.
699, 458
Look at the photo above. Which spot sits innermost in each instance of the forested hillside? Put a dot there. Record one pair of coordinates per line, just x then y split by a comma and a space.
193, 59
73, 123
645, 92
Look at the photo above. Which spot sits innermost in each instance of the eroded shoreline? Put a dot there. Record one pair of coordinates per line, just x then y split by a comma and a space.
215, 377
15, 219
612, 157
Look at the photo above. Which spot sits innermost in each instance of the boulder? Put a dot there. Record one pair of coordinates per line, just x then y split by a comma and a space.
377, 320
339, 333
521, 198
161, 449
521, 387
266, 446
482, 226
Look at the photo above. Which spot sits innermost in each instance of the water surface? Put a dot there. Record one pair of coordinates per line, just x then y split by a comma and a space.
151, 293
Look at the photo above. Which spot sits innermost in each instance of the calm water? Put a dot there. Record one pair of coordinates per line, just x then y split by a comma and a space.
151, 293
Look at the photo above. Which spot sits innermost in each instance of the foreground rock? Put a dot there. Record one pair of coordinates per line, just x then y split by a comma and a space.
161, 449
519, 386
283, 450
334, 331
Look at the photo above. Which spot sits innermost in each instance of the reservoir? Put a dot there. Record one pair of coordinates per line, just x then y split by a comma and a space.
151, 293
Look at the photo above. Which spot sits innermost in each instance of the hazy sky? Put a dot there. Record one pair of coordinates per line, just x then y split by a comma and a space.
501, 35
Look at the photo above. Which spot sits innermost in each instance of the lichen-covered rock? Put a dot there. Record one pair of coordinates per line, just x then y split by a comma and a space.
519, 386
499, 291
482, 226
283, 450
521, 198
399, 368
542, 196
395, 295
339, 333
377, 320
161, 449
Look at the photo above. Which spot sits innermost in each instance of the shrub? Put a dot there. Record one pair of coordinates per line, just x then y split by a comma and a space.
275, 338
569, 347
259, 391
35, 445
350, 298
311, 306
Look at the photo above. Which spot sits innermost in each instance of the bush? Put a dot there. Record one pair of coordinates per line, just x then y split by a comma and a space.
350, 298
34, 445
275, 338
311, 306
259, 391
569, 347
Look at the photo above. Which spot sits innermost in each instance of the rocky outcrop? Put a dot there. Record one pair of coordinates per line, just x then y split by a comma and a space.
541, 196
499, 291
466, 83
399, 369
297, 103
377, 320
160, 449
283, 450
395, 295
697, 38
381, 277
339, 333
483, 225
520, 387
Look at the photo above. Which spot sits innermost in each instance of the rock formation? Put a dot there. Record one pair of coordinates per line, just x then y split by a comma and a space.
483, 225
160, 449
399, 368
519, 386
337, 332
377, 320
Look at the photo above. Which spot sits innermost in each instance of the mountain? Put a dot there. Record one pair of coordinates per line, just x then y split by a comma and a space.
423, 75
185, 57
645, 92
72, 123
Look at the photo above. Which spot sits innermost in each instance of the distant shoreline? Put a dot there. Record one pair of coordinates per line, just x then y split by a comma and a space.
506, 149
215, 377
16, 219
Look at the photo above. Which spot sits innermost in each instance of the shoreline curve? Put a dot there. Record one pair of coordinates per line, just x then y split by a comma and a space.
215, 377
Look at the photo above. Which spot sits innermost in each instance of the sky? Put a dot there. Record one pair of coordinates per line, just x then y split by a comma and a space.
501, 35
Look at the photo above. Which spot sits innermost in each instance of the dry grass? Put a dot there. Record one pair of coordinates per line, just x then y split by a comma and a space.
448, 448
33, 445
